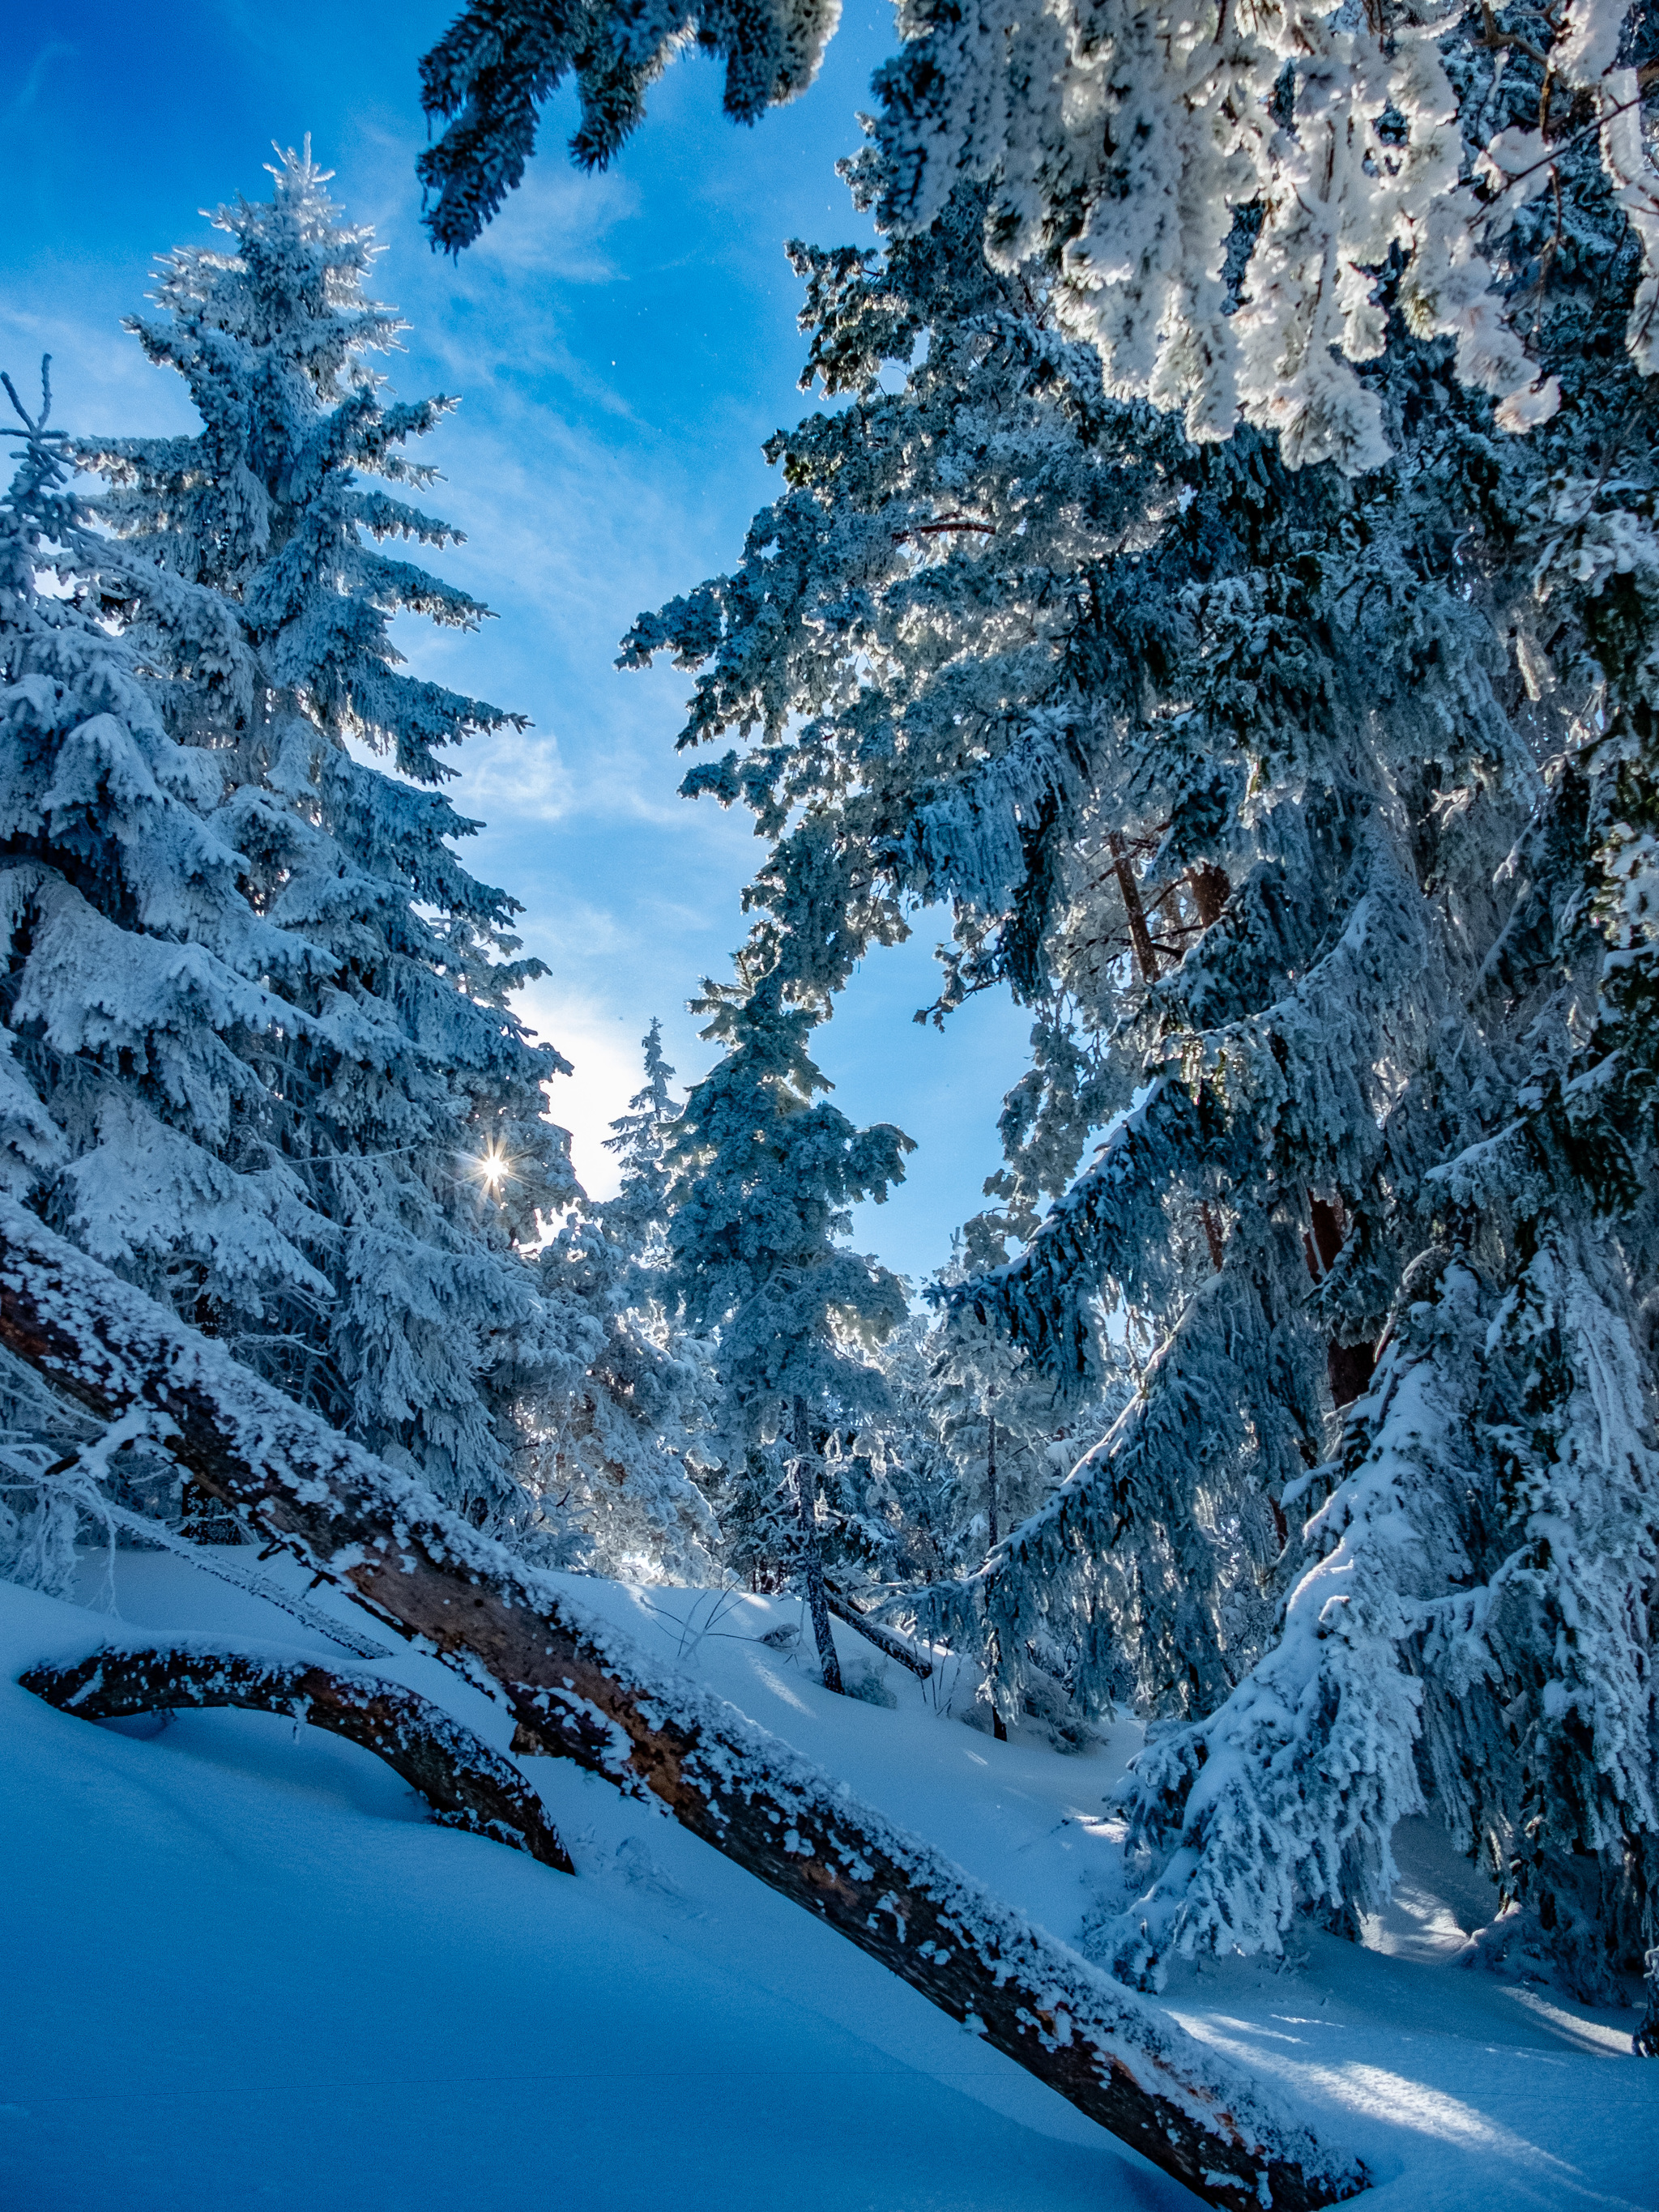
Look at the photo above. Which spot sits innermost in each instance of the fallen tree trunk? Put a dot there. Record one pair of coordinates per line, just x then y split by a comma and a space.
893, 1647
581, 1690
467, 1785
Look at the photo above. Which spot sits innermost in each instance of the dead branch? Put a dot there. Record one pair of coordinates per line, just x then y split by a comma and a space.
893, 1646
467, 1785
584, 1691
944, 527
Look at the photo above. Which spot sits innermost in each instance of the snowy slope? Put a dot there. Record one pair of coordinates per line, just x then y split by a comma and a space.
241, 1970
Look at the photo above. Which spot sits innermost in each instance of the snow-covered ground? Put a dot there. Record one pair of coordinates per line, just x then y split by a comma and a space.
240, 1968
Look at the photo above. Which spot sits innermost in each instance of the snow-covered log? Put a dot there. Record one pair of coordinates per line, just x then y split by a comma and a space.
467, 1785
586, 1693
893, 1647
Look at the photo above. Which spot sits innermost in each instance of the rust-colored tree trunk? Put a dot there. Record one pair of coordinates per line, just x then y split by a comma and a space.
1140, 935
1351, 1366
991, 1515
893, 1647
1211, 890
578, 1688
467, 1785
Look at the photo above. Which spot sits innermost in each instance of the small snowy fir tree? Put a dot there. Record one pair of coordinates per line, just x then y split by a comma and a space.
621, 1456
765, 1173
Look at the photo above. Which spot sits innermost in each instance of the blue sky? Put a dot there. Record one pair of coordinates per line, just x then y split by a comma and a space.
623, 345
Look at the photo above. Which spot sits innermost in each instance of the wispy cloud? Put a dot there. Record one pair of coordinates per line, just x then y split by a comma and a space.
556, 225
101, 380
519, 771
29, 91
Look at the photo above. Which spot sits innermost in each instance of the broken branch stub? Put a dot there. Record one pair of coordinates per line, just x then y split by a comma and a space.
468, 1786
587, 1692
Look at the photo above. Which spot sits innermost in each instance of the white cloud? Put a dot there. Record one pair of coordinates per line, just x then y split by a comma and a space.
101, 382
553, 225
605, 1048
513, 772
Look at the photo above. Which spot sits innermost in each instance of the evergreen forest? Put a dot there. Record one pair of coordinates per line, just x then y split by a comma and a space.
1212, 591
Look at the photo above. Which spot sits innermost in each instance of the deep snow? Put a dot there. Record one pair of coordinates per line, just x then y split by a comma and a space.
240, 1968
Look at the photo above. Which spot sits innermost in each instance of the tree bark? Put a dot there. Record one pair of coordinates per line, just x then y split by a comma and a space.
581, 1689
1205, 890
991, 1484
1349, 1366
467, 1785
1213, 1233
812, 1556
999, 1726
1140, 936
1211, 890
1645, 2041
893, 1647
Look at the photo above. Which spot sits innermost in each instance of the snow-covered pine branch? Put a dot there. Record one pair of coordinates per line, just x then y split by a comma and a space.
499, 63
1209, 197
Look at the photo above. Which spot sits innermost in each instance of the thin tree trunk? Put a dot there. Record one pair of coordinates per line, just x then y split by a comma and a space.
1645, 2041
581, 1689
1140, 937
1349, 1366
467, 1784
1212, 1234
1211, 890
812, 1556
999, 1726
991, 1530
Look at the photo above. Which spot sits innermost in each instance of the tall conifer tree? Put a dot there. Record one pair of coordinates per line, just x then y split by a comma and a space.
1280, 797
294, 1100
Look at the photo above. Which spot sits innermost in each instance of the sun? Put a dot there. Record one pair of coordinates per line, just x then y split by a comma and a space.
492, 1168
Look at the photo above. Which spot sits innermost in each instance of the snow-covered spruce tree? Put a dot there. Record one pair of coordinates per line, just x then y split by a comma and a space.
1007, 1435
765, 1172
371, 1101
616, 1458
135, 968
1120, 145
1524, 1639
940, 637
1473, 1634
1218, 763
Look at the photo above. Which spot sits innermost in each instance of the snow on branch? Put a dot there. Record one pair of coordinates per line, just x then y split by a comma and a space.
502, 60
1122, 145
